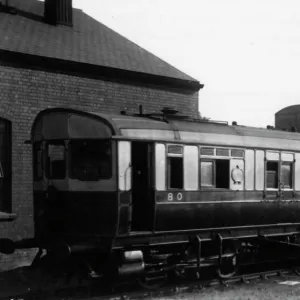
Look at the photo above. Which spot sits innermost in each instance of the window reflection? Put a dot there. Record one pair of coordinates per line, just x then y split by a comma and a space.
272, 174
286, 175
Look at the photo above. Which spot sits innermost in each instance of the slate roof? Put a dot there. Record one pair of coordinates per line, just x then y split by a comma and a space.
88, 41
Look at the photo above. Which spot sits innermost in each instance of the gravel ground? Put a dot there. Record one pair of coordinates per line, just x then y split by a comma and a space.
254, 290
14, 283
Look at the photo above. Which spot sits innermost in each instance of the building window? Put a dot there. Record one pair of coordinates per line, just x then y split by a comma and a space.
56, 163
5, 165
215, 173
286, 175
175, 167
272, 174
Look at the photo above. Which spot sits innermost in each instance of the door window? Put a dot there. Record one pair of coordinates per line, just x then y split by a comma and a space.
56, 163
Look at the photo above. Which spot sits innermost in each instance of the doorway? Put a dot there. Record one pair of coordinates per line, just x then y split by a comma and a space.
5, 165
142, 187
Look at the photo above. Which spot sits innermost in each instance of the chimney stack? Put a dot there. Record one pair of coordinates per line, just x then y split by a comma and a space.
59, 12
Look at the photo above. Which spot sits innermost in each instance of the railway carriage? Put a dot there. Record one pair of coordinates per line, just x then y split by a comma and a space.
151, 190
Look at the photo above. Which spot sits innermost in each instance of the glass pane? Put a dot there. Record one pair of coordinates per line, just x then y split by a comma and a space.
207, 151
272, 174
56, 152
207, 173
175, 172
222, 152
237, 153
286, 175
90, 159
56, 166
175, 149
222, 173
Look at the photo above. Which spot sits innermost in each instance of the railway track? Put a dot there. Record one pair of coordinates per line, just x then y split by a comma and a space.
195, 285
130, 290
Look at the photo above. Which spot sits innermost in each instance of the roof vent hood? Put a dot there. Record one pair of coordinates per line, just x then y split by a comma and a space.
59, 12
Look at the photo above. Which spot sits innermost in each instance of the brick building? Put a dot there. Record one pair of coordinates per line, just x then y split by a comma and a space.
54, 55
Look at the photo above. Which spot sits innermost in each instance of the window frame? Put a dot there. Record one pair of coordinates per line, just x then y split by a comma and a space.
69, 160
278, 174
292, 174
281, 162
213, 186
214, 157
176, 155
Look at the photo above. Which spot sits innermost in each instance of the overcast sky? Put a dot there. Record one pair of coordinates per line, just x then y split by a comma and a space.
246, 53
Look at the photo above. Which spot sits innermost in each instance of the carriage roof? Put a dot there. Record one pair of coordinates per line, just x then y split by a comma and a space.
57, 123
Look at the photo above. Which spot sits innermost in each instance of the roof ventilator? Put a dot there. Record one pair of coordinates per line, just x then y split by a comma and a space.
167, 114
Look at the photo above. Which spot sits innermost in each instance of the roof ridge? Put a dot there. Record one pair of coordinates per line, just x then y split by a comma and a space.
89, 41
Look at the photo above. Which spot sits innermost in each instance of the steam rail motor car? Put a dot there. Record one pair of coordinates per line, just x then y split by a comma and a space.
149, 193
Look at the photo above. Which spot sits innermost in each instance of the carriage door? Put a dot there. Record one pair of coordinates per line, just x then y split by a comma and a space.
142, 191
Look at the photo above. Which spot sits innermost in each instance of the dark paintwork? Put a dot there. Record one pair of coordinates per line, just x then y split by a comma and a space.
208, 209
103, 214
125, 212
76, 213
64, 124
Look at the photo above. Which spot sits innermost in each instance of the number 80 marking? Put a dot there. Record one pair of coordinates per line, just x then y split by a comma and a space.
178, 196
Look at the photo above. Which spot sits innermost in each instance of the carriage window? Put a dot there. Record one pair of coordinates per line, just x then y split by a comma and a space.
222, 152
90, 160
286, 175
222, 173
215, 173
207, 174
38, 161
56, 164
175, 172
272, 174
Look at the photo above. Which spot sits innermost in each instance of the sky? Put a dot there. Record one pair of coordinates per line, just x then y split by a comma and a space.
245, 52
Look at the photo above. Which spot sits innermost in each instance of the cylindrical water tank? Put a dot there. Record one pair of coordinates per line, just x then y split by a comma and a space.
288, 118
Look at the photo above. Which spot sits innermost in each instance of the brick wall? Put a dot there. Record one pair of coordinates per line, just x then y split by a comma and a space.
25, 92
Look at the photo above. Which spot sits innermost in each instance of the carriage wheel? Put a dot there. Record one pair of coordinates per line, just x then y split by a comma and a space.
296, 267
230, 264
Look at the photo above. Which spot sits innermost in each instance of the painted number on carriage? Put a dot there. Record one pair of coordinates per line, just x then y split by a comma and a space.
175, 196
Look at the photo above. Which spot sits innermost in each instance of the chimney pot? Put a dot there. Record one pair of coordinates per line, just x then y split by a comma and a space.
59, 12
